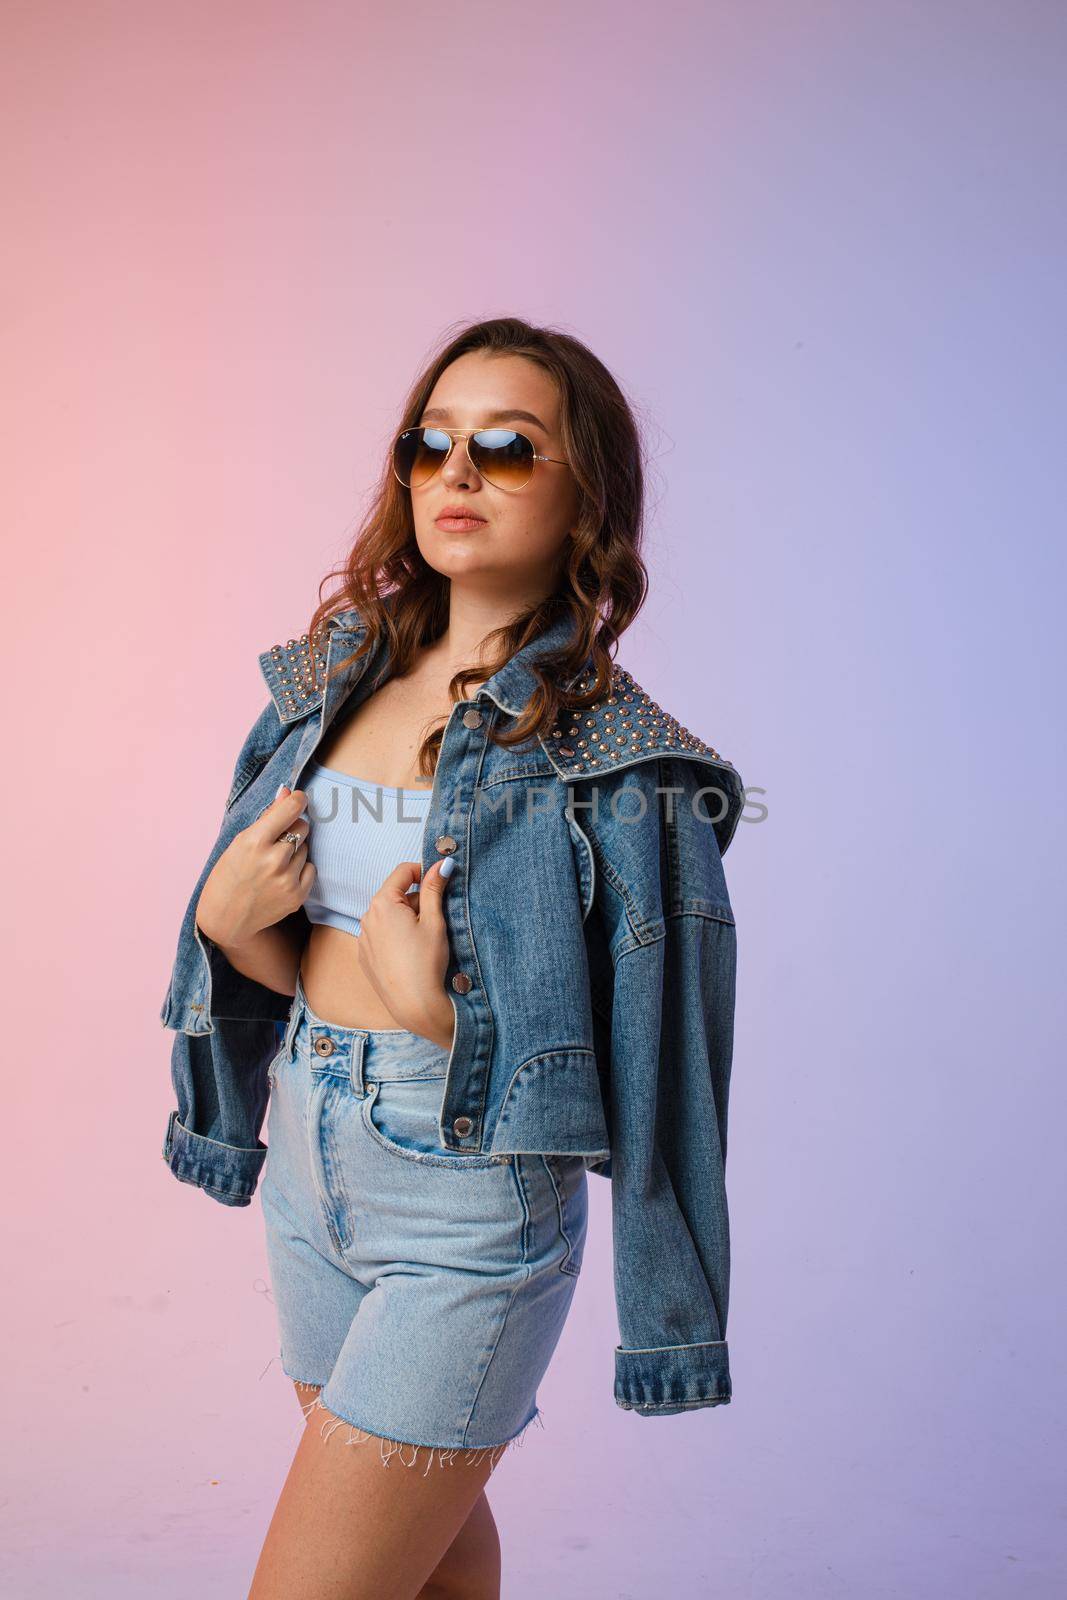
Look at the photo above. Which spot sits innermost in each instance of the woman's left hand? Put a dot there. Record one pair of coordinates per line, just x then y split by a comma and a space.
402, 947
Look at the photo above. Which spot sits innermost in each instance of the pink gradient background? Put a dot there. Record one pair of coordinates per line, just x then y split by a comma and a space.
822, 247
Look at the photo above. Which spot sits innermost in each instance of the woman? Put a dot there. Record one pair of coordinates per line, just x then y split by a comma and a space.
484, 990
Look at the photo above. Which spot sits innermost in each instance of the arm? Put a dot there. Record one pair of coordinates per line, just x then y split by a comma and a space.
246, 915
671, 1038
666, 970
225, 1022
271, 956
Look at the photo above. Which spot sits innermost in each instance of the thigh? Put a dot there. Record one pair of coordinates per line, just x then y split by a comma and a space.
471, 1564
315, 1298
470, 1266
345, 1527
316, 1293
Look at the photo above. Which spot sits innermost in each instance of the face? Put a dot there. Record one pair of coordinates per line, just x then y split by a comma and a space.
515, 551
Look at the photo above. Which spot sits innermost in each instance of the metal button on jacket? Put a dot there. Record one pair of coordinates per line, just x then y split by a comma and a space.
462, 983
444, 844
462, 1126
472, 718
323, 1046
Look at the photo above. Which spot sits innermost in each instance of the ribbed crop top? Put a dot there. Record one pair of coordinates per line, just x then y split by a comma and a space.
359, 832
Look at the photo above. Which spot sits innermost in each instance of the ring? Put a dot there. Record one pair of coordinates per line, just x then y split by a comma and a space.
293, 839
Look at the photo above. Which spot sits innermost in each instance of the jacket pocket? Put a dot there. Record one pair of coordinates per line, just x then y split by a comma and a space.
553, 1102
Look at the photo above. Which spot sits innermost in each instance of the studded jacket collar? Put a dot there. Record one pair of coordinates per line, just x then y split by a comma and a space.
624, 727
592, 953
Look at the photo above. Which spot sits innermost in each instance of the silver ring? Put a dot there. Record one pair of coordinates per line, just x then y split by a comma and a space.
292, 839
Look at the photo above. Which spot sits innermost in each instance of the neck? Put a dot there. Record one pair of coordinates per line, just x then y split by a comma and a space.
471, 618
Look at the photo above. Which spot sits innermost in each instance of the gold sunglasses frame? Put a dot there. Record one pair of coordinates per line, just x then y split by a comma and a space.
465, 434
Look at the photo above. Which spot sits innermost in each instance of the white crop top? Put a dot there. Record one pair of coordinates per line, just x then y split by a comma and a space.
359, 832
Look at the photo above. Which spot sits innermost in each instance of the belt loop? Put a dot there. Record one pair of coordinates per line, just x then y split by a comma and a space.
359, 1044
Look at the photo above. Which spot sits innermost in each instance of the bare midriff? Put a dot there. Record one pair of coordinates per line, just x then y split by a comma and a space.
337, 988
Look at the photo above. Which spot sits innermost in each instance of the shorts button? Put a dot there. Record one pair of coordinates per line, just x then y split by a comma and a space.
323, 1046
462, 983
462, 1126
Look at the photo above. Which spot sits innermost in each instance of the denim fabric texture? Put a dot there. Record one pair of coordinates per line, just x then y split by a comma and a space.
592, 976
423, 1290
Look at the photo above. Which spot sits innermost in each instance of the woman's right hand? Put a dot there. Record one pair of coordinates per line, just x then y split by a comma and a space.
259, 878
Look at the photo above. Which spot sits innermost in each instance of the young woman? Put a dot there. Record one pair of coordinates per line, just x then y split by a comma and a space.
483, 990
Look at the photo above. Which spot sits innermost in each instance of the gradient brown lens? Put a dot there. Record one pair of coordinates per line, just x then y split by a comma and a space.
502, 456
418, 453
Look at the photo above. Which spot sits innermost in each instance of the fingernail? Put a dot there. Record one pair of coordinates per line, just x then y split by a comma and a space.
282, 789
448, 866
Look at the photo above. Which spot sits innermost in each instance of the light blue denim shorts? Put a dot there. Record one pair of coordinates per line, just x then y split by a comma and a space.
424, 1290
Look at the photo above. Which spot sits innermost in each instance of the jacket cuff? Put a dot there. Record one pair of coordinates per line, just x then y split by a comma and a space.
672, 1378
228, 1172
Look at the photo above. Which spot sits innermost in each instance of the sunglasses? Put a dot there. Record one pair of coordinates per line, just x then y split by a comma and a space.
501, 456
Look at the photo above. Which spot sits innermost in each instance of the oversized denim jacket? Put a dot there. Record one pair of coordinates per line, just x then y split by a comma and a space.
591, 971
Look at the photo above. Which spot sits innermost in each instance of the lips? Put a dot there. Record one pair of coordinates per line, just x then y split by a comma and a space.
455, 519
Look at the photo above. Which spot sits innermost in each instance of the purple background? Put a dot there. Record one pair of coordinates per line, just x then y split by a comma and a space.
822, 247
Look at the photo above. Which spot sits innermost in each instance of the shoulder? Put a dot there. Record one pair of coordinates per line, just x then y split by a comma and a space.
623, 726
295, 669
627, 736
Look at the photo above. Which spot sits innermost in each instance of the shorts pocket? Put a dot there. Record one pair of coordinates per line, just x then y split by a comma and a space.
572, 1198
402, 1117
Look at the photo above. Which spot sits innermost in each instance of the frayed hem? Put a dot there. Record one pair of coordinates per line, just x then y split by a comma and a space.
446, 1456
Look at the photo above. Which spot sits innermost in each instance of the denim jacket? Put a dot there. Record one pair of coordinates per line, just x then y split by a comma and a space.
592, 958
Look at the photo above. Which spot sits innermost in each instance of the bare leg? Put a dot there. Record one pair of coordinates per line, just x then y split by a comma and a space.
470, 1567
350, 1526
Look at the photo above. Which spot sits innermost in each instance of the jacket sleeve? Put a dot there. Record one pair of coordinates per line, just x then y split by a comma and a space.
668, 965
200, 970
225, 1024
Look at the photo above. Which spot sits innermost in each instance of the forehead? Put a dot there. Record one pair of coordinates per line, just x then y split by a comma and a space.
476, 391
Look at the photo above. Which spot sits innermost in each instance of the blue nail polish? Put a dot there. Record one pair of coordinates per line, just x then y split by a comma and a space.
448, 866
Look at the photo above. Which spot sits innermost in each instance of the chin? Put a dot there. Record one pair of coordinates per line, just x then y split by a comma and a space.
448, 555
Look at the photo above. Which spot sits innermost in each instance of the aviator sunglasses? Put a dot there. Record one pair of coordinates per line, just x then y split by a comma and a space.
501, 456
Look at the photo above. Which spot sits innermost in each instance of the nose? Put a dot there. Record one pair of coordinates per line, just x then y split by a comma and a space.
459, 471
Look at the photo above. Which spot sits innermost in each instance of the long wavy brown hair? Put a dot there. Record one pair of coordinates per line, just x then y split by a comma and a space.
603, 581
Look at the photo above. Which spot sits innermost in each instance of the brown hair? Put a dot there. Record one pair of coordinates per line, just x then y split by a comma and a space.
603, 579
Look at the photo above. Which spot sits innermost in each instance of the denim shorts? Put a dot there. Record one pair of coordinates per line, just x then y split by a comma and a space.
424, 1290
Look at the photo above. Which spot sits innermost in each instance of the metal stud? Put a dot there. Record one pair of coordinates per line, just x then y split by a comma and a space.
626, 723
298, 663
